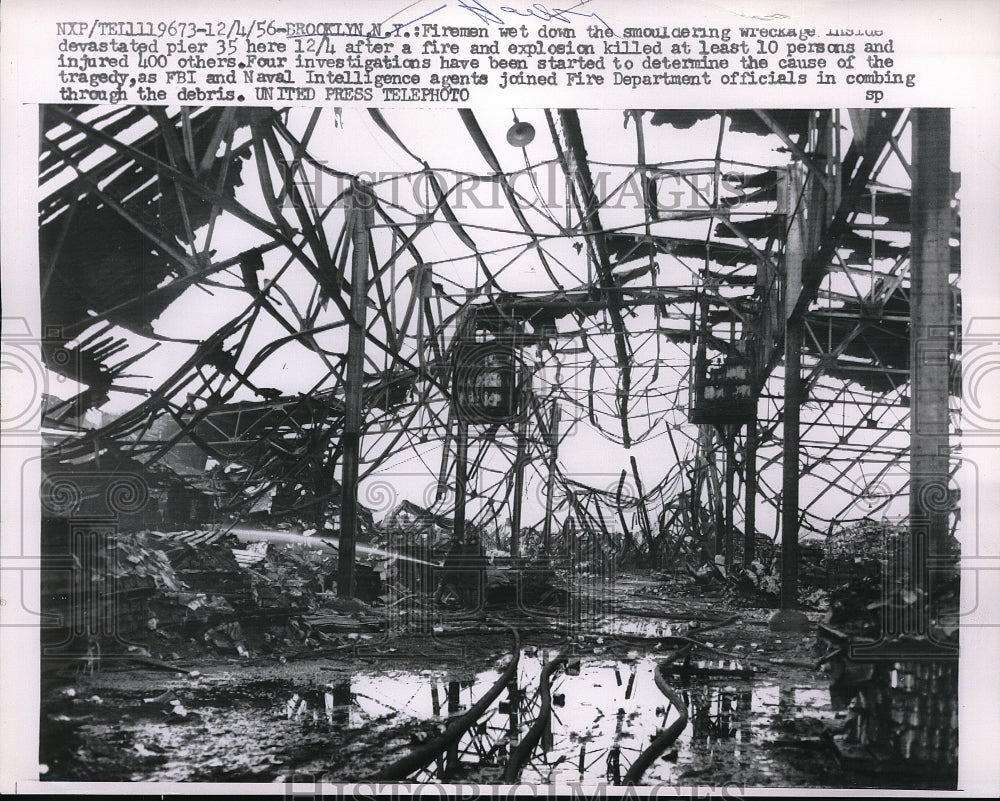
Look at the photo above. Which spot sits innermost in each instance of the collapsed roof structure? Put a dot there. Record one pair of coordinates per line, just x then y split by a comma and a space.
595, 304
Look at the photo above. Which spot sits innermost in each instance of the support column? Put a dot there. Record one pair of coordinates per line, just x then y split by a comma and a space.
461, 475
519, 464
550, 485
466, 335
715, 488
930, 304
730, 443
362, 211
788, 618
750, 495
790, 466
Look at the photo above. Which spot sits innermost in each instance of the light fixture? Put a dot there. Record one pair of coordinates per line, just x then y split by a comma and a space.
520, 134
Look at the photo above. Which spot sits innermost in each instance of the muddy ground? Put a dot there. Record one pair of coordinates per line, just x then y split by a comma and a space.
760, 711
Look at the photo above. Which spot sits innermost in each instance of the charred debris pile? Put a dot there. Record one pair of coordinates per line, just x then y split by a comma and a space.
266, 587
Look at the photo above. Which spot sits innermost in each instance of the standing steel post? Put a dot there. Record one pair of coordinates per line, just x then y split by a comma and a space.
519, 464
461, 475
794, 253
930, 305
790, 466
362, 213
550, 484
465, 334
729, 431
750, 494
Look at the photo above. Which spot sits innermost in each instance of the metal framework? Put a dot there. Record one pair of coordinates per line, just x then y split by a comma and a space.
340, 253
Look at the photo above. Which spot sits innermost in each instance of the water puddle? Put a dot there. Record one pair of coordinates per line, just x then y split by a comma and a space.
606, 709
605, 712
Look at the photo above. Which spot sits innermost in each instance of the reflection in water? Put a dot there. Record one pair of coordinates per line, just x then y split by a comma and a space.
719, 713
614, 767
451, 765
337, 702
605, 712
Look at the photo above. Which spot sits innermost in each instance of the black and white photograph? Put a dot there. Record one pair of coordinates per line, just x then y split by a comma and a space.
462, 399
499, 446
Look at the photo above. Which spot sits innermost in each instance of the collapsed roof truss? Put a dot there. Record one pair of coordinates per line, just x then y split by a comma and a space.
228, 201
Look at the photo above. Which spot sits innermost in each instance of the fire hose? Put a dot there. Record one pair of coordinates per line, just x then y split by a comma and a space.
665, 738
522, 752
422, 756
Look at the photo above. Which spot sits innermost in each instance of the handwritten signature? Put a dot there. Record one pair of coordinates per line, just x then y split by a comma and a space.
537, 10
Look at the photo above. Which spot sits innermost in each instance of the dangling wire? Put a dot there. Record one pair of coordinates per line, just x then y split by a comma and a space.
543, 207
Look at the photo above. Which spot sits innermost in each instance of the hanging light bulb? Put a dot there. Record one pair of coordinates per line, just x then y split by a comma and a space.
520, 134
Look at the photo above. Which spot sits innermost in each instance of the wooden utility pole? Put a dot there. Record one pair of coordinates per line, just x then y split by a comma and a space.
361, 213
